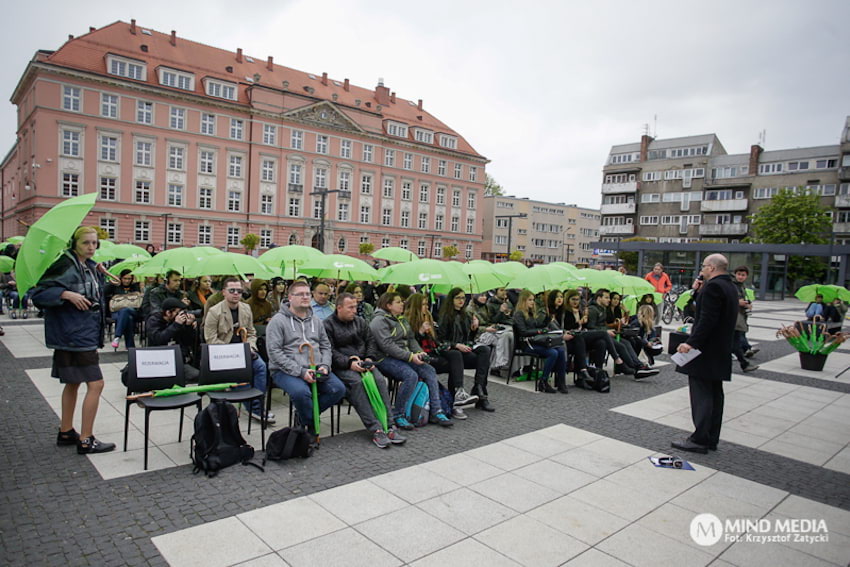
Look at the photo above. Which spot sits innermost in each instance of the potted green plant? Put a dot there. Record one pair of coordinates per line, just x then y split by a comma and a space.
812, 341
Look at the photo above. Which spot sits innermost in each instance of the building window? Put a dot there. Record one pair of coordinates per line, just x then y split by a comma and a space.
405, 219
423, 193
108, 188
458, 171
177, 118
142, 231
441, 196
206, 163
144, 112
142, 193
125, 68
177, 79
366, 184
70, 184
389, 158
455, 226
233, 236
403, 243
406, 190
295, 175
385, 242
208, 124
144, 153
221, 90
470, 200
470, 225
424, 136
109, 105
267, 172
441, 167
386, 217
205, 197
448, 141
420, 249
320, 178
70, 143
265, 238
109, 226
266, 204
71, 98
296, 140
175, 195
176, 157
473, 173
237, 129
294, 207
234, 201
438, 249
423, 221
321, 144
456, 198
367, 153
365, 214
438, 222
317, 209
175, 233
340, 246
270, 134
345, 149
344, 180
426, 164
396, 129
407, 161
108, 148
235, 167
770, 168
389, 185
204, 235
342, 212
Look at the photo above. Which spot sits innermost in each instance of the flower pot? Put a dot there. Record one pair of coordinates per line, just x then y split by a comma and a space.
814, 362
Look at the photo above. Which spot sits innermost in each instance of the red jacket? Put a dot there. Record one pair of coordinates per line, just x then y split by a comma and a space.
662, 283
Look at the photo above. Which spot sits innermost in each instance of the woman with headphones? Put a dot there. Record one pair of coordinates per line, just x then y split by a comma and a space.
71, 295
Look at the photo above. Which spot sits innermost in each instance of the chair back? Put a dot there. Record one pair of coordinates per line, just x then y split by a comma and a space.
155, 368
226, 363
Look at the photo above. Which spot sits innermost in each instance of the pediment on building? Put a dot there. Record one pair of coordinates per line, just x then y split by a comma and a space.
323, 114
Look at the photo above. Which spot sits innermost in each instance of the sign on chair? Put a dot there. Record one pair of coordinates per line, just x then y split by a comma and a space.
227, 357
155, 363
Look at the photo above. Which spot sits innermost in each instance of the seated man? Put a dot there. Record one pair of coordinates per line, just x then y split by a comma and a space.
353, 353
322, 306
596, 321
152, 301
230, 321
174, 325
300, 354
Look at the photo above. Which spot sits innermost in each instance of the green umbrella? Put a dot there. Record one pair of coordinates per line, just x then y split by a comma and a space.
565, 265
7, 264
375, 399
482, 277
631, 285
48, 237
596, 279
511, 269
120, 252
16, 239
178, 390
130, 264
339, 267
288, 258
630, 302
749, 294
427, 271
180, 259
684, 298
807, 293
539, 278
228, 264
394, 254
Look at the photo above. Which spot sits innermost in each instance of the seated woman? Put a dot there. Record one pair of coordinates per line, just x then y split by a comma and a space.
457, 327
649, 299
574, 342
402, 358
529, 323
198, 294
277, 291
617, 316
127, 316
646, 338
364, 309
261, 308
500, 338
596, 343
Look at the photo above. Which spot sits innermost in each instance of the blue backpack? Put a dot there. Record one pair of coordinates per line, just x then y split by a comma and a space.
418, 405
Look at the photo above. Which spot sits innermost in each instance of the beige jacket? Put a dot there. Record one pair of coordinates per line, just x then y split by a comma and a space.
218, 324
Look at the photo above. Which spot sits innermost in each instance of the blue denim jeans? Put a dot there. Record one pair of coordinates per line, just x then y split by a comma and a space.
556, 359
331, 391
125, 325
409, 374
259, 369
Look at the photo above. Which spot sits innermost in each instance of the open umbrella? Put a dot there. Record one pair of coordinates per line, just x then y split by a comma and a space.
807, 293
482, 277
338, 267
7, 264
16, 239
130, 264
375, 399
540, 278
511, 269
228, 264
180, 259
120, 252
394, 254
630, 302
595, 279
631, 285
287, 259
427, 271
48, 237
684, 298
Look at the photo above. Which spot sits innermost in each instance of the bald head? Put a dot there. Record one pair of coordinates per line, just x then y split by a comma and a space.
714, 265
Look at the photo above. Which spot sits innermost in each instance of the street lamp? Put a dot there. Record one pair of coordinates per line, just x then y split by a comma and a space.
510, 226
324, 194
567, 244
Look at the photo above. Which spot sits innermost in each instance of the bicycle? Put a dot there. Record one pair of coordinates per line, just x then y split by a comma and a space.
669, 310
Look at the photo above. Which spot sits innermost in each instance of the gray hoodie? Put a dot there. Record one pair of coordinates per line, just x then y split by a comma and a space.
393, 336
286, 332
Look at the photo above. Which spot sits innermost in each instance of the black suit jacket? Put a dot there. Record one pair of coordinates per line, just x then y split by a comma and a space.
714, 329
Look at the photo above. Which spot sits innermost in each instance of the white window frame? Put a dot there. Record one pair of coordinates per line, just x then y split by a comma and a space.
109, 105
208, 123
176, 79
220, 89
127, 68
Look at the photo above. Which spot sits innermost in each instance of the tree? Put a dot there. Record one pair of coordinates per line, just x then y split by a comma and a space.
794, 216
366, 248
630, 257
102, 234
450, 251
491, 187
250, 242
515, 256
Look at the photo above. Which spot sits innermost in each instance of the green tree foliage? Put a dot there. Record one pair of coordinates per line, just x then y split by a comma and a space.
450, 251
250, 242
366, 248
491, 187
630, 257
515, 256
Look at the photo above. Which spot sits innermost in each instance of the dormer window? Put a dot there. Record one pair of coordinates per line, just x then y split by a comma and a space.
176, 79
424, 136
397, 129
125, 67
220, 89
449, 142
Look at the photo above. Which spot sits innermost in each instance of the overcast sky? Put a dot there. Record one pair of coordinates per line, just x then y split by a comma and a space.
543, 89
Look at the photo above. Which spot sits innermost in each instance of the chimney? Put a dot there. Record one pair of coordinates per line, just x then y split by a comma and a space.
70, 36
382, 93
133, 27
345, 85
270, 63
325, 79
92, 28
755, 153
419, 106
644, 146
392, 97
173, 37
239, 55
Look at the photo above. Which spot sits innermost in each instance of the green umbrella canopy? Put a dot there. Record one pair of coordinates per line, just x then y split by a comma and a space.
630, 302
120, 252
181, 259
595, 279
482, 277
339, 267
286, 259
48, 237
427, 271
829, 292
511, 269
540, 278
394, 254
7, 264
684, 298
18, 239
631, 285
750, 294
229, 264
131, 265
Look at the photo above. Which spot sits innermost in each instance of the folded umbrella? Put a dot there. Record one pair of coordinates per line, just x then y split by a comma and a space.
177, 390
375, 399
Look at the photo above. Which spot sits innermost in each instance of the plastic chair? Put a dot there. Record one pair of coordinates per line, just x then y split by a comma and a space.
168, 372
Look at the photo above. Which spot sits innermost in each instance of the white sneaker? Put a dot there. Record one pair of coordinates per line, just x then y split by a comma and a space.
115, 343
458, 413
462, 398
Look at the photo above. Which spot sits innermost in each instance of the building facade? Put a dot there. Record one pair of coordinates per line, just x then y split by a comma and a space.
689, 189
548, 232
188, 144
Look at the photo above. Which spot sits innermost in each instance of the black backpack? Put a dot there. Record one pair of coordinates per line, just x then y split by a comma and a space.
601, 381
217, 442
287, 443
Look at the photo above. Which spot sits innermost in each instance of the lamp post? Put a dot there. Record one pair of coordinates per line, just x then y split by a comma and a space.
324, 194
510, 226
566, 244
165, 230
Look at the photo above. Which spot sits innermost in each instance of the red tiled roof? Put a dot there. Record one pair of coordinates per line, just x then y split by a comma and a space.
88, 52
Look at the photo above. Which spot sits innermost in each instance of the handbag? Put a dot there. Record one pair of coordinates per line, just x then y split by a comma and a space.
132, 299
551, 339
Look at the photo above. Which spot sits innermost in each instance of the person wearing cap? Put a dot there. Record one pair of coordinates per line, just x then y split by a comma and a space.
174, 324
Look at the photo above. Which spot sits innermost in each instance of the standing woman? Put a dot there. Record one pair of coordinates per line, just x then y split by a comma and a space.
71, 295
528, 323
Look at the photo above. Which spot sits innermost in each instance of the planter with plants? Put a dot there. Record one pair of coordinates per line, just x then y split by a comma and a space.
812, 341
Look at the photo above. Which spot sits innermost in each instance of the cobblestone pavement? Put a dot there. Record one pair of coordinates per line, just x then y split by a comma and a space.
56, 509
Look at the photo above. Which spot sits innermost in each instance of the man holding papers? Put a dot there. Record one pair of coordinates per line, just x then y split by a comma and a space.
712, 333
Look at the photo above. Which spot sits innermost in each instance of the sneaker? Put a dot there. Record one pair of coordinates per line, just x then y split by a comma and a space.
115, 342
395, 436
256, 416
623, 369
441, 419
25, 315
640, 374
402, 423
458, 413
381, 439
13, 314
751, 353
69, 437
751, 368
92, 445
464, 399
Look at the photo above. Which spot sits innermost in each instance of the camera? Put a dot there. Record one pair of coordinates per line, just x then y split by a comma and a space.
425, 358
95, 305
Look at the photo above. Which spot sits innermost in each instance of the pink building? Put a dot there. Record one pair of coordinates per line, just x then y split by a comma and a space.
188, 144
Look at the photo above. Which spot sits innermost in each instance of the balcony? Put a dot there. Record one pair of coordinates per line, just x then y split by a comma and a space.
617, 229
844, 173
841, 227
842, 201
296, 188
728, 229
618, 209
627, 187
723, 205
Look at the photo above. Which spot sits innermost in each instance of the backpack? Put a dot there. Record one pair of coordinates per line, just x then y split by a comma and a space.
447, 402
287, 443
417, 408
601, 381
217, 442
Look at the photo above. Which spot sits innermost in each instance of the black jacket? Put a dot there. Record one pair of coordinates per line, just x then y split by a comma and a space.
536, 325
349, 340
713, 330
457, 331
160, 332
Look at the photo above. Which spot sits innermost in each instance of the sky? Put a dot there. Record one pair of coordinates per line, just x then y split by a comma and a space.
543, 89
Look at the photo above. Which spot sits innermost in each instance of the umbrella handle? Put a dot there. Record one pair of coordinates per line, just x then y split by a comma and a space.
312, 356
137, 396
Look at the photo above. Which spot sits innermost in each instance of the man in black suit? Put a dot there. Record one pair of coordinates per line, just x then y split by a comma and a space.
712, 334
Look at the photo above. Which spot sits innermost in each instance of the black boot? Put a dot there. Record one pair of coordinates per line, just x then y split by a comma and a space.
544, 386
483, 402
584, 380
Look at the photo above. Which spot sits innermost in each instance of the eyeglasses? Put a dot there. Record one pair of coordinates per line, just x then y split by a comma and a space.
305, 294
233, 290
